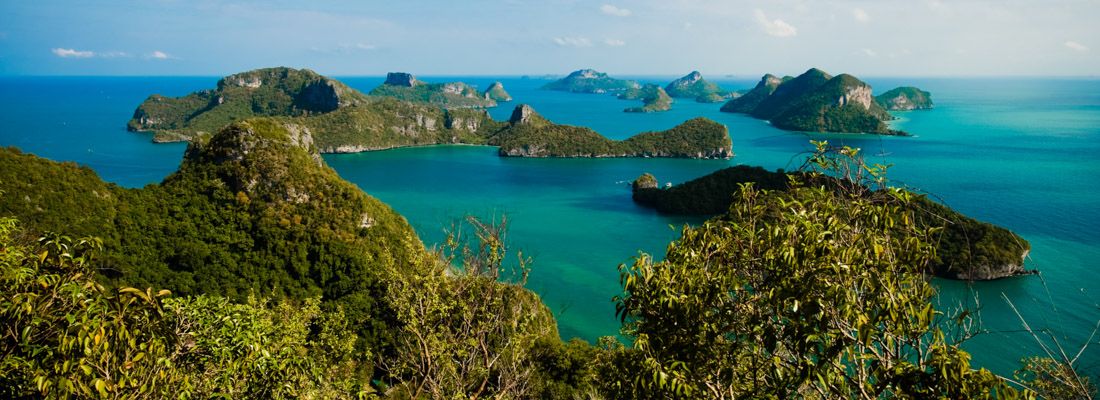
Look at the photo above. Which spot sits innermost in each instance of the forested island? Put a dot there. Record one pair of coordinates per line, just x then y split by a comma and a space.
528, 134
405, 86
590, 81
966, 249
654, 99
401, 112
693, 86
905, 98
815, 102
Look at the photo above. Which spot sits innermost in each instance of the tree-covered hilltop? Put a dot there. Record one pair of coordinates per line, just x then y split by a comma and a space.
497, 93
816, 102
693, 86
590, 81
654, 99
528, 134
965, 249
905, 98
263, 92
389, 123
251, 209
404, 86
748, 101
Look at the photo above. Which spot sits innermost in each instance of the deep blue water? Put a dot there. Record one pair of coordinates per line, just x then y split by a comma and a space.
1022, 153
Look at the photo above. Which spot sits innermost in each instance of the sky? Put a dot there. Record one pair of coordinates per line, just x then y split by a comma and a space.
518, 37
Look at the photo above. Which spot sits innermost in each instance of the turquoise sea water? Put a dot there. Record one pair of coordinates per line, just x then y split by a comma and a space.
1022, 153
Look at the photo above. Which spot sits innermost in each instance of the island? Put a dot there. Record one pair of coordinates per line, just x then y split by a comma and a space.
590, 81
693, 86
967, 249
816, 102
262, 92
654, 99
496, 93
905, 98
405, 86
528, 134
352, 122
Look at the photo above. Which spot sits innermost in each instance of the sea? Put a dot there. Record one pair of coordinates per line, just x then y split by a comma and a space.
1023, 153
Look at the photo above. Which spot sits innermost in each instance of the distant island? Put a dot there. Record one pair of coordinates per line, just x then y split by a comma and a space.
815, 102
343, 120
905, 98
528, 134
405, 86
654, 99
693, 86
590, 81
967, 249
496, 93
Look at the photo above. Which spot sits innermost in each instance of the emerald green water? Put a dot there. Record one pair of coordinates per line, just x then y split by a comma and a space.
1022, 153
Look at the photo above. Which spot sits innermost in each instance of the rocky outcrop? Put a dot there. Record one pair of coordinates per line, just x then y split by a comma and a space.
496, 92
401, 79
906, 98
524, 114
645, 181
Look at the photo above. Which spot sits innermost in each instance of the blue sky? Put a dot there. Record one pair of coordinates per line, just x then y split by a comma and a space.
513, 37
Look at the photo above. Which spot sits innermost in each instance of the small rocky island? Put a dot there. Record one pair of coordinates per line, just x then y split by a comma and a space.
905, 98
496, 93
405, 86
967, 249
590, 81
528, 134
693, 86
815, 102
654, 99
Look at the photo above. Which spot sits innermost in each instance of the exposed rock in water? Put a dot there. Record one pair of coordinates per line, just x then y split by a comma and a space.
645, 181
401, 79
496, 92
693, 86
590, 81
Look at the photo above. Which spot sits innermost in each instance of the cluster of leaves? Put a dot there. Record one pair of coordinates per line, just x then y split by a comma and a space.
281, 92
695, 138
444, 95
67, 336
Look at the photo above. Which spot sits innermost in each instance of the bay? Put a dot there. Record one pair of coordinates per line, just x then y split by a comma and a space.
1018, 152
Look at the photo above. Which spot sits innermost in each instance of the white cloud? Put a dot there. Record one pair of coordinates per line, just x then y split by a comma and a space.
860, 15
614, 42
573, 41
1072, 45
114, 54
71, 53
159, 55
615, 11
869, 52
776, 27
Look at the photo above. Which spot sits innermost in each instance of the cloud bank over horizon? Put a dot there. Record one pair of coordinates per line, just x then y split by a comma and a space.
515, 37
